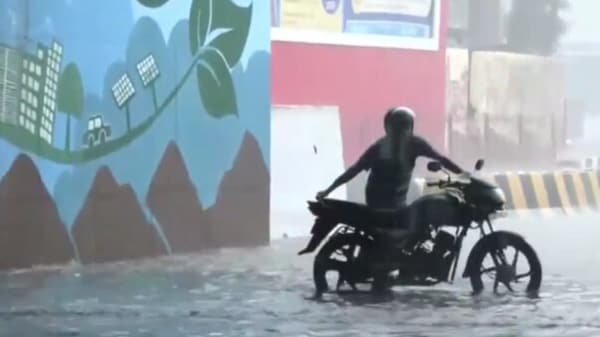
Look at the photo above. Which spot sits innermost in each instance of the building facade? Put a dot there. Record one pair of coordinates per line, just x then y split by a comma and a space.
327, 79
9, 84
52, 59
31, 80
39, 84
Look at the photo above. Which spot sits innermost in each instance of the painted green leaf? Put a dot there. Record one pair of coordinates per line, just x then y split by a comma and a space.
199, 21
152, 3
70, 91
216, 85
229, 29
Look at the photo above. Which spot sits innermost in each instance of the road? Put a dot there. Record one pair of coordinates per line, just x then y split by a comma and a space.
266, 292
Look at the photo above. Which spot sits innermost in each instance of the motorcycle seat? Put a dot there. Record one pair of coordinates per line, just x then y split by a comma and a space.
356, 212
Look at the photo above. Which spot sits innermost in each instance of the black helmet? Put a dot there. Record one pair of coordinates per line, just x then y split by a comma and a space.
399, 119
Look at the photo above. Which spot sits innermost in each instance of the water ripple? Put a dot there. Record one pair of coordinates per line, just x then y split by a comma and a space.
223, 295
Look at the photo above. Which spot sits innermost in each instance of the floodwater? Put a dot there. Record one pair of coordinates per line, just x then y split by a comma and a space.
267, 292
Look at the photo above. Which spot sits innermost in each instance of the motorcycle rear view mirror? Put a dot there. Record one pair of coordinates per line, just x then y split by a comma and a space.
434, 166
479, 164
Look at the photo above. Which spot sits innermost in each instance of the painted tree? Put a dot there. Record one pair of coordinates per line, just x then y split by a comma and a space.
535, 26
70, 97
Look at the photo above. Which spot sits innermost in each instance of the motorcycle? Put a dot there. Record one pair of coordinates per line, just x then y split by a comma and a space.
370, 253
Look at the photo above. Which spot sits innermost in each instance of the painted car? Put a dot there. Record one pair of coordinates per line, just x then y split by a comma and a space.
98, 132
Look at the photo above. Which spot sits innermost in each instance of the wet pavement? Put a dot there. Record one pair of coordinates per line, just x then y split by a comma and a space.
267, 292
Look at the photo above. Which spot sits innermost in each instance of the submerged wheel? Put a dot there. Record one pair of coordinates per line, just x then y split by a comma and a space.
346, 255
498, 259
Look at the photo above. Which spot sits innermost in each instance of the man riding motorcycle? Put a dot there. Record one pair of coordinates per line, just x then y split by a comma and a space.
391, 161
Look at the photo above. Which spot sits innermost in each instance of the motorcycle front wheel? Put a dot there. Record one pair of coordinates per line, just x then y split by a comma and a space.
498, 262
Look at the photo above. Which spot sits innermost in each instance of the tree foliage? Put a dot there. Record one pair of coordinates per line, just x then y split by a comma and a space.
536, 26
70, 91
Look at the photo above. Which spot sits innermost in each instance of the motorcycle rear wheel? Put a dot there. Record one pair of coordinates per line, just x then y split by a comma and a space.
353, 247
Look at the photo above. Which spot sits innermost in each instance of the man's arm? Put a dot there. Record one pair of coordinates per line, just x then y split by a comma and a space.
426, 150
363, 163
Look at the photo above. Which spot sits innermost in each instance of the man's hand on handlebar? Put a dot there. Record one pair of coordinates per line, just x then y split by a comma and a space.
461, 178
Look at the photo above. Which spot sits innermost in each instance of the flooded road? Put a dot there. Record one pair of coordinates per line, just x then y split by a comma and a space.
266, 292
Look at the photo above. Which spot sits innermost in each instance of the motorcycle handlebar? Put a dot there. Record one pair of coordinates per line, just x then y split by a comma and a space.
443, 183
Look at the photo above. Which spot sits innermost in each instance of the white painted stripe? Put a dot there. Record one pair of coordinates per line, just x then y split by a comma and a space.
356, 40
361, 40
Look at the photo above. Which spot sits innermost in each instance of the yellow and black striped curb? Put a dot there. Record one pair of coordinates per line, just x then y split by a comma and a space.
567, 190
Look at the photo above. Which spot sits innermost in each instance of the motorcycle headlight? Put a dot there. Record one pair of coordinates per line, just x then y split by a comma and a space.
499, 195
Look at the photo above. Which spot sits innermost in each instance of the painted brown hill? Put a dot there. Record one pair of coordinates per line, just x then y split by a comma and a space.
240, 216
31, 231
174, 202
111, 225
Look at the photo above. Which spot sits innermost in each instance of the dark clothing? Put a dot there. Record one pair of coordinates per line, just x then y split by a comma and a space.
391, 169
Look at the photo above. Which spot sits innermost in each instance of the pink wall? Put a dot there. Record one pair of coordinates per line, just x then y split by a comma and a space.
363, 82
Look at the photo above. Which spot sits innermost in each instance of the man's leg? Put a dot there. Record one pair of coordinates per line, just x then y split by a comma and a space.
381, 257
404, 223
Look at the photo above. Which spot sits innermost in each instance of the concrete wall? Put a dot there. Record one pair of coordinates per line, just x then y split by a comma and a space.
306, 156
363, 82
522, 98
99, 162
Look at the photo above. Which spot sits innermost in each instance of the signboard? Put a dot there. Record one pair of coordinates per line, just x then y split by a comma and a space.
411, 24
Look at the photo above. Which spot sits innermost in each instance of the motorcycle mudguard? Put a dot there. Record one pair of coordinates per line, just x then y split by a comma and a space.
484, 242
319, 231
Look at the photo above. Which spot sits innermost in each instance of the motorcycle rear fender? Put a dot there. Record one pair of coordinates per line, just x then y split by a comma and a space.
314, 207
484, 242
320, 229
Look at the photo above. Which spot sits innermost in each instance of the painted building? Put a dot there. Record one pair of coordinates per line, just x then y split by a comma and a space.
9, 84
357, 58
29, 85
31, 79
51, 57
182, 91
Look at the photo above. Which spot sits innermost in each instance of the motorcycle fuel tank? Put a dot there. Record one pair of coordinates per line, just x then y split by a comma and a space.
439, 209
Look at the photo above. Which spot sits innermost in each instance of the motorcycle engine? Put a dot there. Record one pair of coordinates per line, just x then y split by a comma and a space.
441, 257
434, 258
442, 243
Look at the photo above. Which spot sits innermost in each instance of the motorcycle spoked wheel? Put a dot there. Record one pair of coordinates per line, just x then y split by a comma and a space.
502, 268
351, 269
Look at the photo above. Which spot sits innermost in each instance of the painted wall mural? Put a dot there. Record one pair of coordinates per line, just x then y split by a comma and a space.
132, 129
